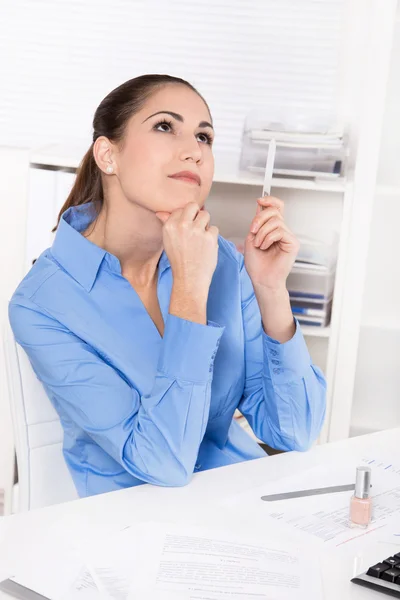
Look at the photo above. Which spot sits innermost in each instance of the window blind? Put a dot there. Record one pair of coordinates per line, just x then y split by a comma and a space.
61, 57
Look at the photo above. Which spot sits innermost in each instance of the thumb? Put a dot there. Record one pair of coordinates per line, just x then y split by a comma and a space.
163, 216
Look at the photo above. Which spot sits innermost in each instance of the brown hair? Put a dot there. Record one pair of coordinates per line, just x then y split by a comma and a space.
109, 120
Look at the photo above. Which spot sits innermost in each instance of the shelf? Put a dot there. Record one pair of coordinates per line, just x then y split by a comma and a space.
64, 157
319, 185
227, 171
312, 331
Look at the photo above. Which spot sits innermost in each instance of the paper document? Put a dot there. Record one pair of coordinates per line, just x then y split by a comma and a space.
326, 517
60, 581
49, 564
83, 587
171, 562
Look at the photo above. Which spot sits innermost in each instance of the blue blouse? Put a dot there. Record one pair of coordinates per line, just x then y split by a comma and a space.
137, 407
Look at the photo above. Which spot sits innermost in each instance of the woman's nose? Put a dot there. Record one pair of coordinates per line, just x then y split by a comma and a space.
191, 150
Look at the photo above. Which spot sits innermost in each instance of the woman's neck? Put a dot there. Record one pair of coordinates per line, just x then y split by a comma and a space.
134, 235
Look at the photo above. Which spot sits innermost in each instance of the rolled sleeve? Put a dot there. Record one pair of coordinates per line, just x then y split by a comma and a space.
189, 349
288, 361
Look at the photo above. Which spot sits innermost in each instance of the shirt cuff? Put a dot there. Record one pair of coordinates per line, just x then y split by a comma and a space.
286, 362
189, 349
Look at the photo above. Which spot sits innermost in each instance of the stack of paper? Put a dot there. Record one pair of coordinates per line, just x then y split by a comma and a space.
168, 562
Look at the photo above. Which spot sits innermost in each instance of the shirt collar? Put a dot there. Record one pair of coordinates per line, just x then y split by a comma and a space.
77, 255
163, 264
80, 257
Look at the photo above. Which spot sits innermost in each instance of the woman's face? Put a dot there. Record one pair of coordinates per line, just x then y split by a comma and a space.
171, 134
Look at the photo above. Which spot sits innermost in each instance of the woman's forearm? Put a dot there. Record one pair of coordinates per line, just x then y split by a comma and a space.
188, 302
276, 313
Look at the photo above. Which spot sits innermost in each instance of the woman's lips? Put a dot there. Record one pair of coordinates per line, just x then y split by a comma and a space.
187, 177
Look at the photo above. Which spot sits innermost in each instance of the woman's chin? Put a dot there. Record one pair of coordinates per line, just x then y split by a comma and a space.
176, 205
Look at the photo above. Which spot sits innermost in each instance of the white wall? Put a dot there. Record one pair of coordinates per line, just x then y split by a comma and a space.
376, 402
64, 56
382, 290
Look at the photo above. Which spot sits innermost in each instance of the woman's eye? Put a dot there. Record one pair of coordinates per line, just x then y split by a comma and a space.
166, 127
163, 127
204, 138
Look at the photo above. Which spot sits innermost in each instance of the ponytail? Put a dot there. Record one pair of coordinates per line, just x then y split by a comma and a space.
87, 187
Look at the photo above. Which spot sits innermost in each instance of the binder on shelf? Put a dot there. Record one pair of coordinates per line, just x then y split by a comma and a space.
311, 280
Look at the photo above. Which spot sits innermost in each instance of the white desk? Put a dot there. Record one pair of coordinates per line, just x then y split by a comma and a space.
198, 500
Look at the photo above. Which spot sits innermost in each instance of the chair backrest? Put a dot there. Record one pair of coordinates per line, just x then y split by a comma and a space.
43, 475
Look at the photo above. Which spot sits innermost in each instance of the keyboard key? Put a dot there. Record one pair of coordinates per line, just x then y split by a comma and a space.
392, 561
391, 575
377, 570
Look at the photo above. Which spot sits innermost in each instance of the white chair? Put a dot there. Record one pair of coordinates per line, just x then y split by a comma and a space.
43, 476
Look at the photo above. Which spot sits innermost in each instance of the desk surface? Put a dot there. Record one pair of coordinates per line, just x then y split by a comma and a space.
199, 502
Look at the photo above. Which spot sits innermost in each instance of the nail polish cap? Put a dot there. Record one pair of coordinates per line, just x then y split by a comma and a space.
363, 482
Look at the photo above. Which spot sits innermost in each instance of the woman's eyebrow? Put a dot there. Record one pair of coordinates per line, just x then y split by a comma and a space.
178, 118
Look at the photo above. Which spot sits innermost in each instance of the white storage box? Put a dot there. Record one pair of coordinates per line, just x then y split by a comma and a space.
309, 283
303, 149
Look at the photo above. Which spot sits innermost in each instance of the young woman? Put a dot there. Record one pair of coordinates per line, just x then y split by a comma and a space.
146, 328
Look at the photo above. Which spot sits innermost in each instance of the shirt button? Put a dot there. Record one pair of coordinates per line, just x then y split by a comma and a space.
275, 362
274, 352
277, 370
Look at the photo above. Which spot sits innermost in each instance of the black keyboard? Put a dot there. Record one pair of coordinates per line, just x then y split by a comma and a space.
383, 577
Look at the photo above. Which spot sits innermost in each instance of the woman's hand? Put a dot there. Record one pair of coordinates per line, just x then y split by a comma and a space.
270, 247
191, 246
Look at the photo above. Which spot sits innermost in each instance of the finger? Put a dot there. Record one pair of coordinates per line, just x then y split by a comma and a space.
190, 212
203, 219
214, 231
273, 237
269, 226
272, 201
286, 240
163, 216
263, 217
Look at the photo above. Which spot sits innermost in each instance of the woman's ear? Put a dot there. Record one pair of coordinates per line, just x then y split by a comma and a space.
103, 153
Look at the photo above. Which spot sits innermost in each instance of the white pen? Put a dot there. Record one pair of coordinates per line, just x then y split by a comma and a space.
269, 168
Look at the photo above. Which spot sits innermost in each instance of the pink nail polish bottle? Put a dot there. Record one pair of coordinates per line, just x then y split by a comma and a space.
361, 502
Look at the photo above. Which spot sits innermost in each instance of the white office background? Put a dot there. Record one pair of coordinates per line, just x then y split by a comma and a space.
64, 56
376, 402
61, 57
